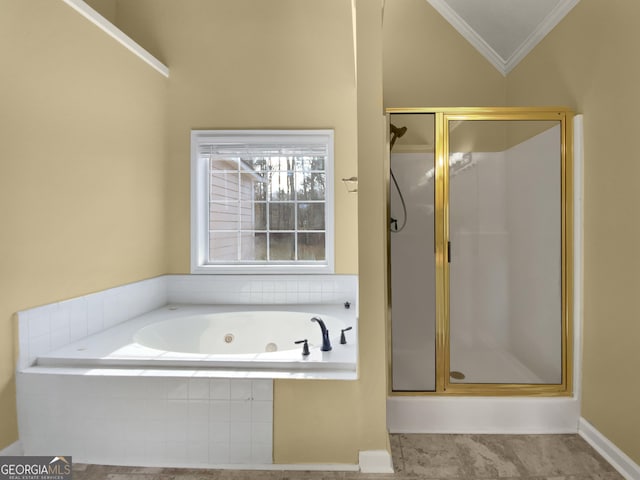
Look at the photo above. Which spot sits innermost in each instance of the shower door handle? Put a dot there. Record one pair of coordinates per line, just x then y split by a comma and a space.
449, 251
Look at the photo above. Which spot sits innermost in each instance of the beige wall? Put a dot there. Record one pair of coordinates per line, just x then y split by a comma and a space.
257, 64
590, 62
106, 8
82, 158
332, 421
252, 64
427, 63
82, 168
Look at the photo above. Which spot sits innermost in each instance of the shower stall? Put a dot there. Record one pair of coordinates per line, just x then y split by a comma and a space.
480, 251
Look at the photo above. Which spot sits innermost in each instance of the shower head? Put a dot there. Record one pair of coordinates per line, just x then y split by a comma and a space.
396, 133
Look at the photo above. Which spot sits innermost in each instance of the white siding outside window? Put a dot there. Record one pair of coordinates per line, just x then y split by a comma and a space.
262, 201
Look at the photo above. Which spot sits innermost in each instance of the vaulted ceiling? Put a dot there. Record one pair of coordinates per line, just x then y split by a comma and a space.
504, 31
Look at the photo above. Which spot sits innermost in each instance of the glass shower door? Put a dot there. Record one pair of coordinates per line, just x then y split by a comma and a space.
412, 263
505, 253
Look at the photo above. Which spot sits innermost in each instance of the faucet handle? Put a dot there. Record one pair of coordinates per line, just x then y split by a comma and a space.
343, 339
305, 347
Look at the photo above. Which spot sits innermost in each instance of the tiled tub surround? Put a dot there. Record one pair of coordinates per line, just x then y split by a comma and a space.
144, 420
50, 327
262, 289
147, 416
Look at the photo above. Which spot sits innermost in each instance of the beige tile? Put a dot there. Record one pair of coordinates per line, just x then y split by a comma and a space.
422, 456
555, 455
583, 477
429, 456
432, 463
583, 452
485, 456
396, 454
137, 476
613, 475
147, 470
377, 476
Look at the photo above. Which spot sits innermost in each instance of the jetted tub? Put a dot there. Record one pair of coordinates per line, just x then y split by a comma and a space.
238, 337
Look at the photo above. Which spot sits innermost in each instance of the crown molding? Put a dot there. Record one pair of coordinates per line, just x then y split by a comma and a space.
554, 18
504, 66
110, 29
464, 29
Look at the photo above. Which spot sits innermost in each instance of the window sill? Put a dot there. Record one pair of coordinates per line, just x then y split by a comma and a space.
262, 269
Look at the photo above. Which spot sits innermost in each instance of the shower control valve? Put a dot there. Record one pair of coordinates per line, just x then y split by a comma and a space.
343, 339
305, 347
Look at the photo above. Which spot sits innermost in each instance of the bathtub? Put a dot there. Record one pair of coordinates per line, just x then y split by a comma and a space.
170, 377
253, 338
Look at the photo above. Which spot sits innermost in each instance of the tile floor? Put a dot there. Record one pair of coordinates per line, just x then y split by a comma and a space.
423, 456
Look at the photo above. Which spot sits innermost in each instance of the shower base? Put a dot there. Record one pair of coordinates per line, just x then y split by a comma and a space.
478, 366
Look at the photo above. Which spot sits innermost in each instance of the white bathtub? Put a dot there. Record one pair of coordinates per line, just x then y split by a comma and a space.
219, 337
142, 391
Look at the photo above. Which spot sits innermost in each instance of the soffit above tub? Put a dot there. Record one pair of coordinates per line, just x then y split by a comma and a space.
504, 31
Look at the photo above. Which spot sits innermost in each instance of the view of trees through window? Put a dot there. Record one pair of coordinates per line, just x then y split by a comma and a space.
268, 205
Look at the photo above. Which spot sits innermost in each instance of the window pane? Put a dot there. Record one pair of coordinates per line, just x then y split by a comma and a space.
313, 163
223, 216
281, 163
256, 163
311, 186
281, 186
261, 246
281, 216
311, 246
260, 216
253, 246
261, 187
223, 246
224, 186
223, 163
247, 216
282, 246
260, 191
311, 216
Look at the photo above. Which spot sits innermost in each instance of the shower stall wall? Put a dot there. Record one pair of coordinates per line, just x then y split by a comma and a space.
413, 274
480, 274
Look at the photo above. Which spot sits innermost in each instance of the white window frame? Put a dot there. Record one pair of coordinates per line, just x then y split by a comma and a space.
200, 200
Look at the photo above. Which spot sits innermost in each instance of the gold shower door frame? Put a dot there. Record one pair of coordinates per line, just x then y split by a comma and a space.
442, 118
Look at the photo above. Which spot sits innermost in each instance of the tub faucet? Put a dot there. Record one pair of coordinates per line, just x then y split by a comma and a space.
326, 344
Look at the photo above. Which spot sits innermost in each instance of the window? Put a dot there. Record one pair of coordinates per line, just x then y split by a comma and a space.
262, 201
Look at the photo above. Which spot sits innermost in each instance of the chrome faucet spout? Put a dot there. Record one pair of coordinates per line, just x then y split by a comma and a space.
326, 343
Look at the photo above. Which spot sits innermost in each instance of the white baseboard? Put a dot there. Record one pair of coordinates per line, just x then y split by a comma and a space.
375, 461
612, 454
516, 415
13, 450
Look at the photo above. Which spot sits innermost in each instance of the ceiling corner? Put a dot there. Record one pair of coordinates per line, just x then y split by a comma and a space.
549, 23
518, 50
473, 37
